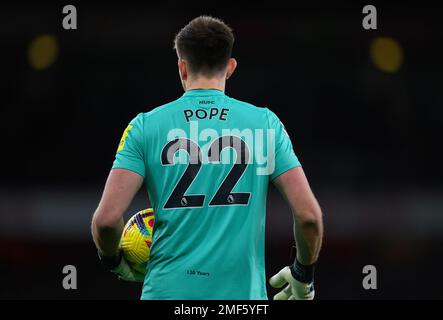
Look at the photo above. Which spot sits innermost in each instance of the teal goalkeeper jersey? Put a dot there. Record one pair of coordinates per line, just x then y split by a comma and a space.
207, 160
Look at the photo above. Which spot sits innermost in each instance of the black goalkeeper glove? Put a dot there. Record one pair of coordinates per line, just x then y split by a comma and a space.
118, 265
299, 279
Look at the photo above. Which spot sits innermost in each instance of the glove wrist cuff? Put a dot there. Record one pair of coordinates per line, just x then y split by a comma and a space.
301, 272
111, 262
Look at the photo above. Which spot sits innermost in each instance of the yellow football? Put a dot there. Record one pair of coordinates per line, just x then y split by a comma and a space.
136, 239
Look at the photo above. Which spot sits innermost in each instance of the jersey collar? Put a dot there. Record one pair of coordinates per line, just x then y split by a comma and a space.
203, 93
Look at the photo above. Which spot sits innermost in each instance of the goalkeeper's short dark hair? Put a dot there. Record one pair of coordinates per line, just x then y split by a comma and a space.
206, 45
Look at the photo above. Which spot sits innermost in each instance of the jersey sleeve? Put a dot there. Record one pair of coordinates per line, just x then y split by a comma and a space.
130, 151
285, 158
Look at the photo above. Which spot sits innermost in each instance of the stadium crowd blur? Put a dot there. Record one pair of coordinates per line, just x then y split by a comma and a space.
363, 108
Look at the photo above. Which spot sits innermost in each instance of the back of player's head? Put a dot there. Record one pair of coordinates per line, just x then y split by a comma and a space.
205, 44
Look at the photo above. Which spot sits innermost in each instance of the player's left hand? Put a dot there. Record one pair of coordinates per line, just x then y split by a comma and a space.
119, 266
295, 290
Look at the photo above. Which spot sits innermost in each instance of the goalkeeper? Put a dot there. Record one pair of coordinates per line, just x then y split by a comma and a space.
208, 235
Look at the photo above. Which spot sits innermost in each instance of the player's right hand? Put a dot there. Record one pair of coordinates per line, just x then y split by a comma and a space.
119, 266
295, 289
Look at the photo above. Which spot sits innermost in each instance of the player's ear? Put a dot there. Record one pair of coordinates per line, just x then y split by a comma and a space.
232, 64
182, 69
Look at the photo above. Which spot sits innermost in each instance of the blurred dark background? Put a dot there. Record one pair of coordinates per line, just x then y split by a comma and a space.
363, 108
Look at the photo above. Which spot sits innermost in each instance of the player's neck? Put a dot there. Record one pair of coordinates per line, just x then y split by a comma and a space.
203, 83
